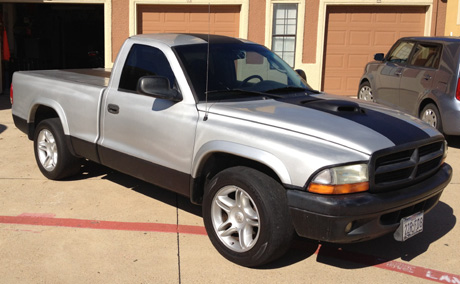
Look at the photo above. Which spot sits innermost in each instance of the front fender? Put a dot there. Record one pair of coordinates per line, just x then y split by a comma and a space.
244, 151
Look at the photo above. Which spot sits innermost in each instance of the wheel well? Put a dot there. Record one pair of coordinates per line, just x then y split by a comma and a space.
363, 80
41, 113
424, 104
218, 162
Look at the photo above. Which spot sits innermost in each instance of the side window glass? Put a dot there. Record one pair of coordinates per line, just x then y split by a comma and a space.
401, 52
426, 55
142, 61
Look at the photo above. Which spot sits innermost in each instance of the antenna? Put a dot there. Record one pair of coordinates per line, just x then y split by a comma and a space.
207, 62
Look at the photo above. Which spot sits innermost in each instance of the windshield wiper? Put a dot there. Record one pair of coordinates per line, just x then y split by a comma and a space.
289, 89
286, 89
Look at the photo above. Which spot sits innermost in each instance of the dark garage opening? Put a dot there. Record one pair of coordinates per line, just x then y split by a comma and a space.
57, 36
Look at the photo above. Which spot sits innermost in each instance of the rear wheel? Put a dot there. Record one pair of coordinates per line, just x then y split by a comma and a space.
430, 114
246, 216
51, 153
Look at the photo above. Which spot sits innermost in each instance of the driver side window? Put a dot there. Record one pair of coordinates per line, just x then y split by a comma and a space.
401, 52
142, 61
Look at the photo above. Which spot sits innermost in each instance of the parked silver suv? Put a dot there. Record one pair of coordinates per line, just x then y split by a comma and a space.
420, 76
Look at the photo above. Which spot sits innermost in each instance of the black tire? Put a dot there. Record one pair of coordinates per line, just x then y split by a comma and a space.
51, 153
365, 92
259, 210
430, 114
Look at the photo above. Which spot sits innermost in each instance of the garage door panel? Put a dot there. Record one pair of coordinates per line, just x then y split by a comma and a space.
174, 17
355, 33
337, 18
389, 18
357, 60
336, 37
223, 20
335, 62
361, 18
382, 38
360, 38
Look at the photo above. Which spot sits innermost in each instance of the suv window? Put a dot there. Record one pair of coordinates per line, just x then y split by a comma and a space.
400, 52
426, 55
142, 61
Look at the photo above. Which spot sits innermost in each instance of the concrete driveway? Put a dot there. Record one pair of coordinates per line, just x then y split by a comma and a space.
106, 227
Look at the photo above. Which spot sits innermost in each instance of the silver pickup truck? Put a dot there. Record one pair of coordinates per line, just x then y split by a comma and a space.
228, 124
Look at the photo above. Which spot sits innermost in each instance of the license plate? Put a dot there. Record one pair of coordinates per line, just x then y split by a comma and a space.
409, 227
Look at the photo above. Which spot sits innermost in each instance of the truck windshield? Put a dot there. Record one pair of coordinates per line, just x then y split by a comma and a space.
236, 70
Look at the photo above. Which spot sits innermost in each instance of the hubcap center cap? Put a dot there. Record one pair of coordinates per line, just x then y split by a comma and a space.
239, 217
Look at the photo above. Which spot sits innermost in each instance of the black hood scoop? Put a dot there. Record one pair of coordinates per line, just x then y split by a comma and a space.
331, 106
336, 106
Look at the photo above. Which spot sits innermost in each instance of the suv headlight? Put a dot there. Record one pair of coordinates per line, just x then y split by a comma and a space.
341, 180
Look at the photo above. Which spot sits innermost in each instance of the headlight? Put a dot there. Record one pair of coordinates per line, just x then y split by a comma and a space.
341, 180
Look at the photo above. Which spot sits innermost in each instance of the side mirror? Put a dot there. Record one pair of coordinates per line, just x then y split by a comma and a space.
379, 56
158, 87
301, 74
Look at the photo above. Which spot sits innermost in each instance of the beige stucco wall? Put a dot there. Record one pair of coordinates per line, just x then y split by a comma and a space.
256, 25
452, 18
120, 25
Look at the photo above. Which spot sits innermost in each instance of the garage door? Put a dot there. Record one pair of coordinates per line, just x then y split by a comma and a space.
223, 20
355, 34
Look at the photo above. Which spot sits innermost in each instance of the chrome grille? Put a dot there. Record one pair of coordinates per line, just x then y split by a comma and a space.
397, 167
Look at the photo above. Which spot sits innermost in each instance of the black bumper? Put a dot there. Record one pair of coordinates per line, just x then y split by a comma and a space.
325, 217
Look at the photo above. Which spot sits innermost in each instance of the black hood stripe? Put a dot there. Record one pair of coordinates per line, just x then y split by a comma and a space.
396, 130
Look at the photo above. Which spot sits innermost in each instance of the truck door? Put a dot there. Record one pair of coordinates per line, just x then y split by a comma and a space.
143, 136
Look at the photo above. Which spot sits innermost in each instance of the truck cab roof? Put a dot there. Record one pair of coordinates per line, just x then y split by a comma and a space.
176, 39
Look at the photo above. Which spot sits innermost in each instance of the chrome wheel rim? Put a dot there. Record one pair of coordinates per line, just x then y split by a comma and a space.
429, 116
235, 218
47, 150
366, 94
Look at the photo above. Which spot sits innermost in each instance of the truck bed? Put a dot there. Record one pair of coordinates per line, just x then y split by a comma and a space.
74, 94
97, 77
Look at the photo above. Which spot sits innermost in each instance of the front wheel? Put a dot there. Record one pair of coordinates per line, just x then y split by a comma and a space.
365, 92
51, 153
246, 216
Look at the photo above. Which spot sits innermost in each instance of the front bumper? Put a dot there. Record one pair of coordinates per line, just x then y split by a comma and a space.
326, 217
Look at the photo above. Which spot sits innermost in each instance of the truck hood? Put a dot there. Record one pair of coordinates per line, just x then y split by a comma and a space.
362, 126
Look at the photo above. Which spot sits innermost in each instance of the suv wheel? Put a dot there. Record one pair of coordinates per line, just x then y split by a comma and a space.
246, 216
430, 114
365, 92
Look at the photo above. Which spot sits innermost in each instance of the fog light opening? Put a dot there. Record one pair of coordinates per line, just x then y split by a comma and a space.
348, 227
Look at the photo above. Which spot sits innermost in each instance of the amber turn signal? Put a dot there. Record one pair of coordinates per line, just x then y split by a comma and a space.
339, 188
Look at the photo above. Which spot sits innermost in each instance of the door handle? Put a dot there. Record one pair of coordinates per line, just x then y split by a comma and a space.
427, 77
113, 108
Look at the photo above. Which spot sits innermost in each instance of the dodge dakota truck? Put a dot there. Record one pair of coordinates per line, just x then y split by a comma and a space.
228, 124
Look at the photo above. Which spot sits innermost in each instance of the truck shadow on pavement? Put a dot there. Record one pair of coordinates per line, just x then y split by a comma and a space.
437, 223
91, 170
2, 128
453, 141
